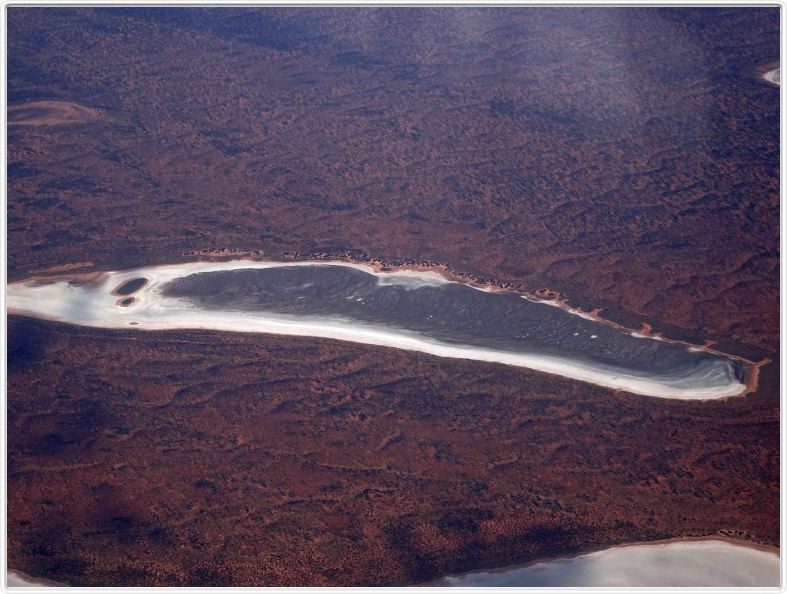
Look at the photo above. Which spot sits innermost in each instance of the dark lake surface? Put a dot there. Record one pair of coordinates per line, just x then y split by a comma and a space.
451, 313
131, 286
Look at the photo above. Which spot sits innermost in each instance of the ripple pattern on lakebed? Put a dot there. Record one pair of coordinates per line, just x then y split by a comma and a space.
416, 311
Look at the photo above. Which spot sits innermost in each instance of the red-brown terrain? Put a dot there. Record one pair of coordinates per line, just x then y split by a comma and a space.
626, 159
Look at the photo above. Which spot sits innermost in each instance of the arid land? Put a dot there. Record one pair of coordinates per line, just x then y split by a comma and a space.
567, 151
213, 458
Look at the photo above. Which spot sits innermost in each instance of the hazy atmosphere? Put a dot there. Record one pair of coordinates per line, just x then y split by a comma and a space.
393, 296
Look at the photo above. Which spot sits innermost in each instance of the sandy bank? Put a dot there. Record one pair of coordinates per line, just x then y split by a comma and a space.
94, 303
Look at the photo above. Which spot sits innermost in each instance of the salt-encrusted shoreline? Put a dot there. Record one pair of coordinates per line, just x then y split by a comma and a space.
695, 557
91, 300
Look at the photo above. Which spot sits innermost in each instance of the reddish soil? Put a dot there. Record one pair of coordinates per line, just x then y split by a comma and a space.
185, 458
624, 161
625, 158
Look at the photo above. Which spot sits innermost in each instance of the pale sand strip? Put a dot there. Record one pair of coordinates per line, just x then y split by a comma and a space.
18, 579
773, 76
706, 562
